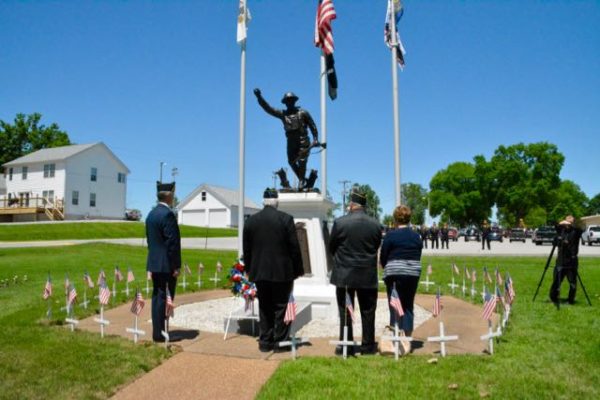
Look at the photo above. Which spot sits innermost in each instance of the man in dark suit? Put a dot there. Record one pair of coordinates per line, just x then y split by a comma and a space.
273, 260
164, 254
354, 241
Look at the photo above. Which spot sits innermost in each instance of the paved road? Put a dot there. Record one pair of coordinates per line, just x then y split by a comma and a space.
459, 248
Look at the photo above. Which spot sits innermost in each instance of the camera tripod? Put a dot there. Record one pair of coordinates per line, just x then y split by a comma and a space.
546, 269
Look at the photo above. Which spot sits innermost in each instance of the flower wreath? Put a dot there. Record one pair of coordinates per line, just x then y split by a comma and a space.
240, 285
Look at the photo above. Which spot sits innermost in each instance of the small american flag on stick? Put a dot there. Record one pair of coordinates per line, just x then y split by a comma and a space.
467, 274
429, 269
138, 303
395, 302
349, 306
186, 269
473, 275
455, 269
437, 304
486, 275
509, 291
169, 306
118, 274
87, 279
101, 277
72, 295
489, 306
291, 310
499, 280
130, 277
104, 293
47, 289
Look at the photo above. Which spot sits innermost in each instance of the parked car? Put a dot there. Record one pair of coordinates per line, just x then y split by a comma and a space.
461, 232
543, 234
495, 234
133, 215
590, 235
472, 234
517, 235
453, 234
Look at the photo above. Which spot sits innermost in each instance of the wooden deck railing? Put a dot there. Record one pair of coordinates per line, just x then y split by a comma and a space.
53, 208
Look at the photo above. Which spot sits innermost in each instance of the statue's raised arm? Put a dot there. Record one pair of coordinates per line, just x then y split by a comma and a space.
266, 106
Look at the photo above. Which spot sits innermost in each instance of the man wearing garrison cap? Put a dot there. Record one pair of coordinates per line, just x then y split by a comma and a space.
355, 239
273, 260
164, 254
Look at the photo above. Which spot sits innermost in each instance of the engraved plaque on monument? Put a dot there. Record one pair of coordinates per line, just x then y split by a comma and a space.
303, 241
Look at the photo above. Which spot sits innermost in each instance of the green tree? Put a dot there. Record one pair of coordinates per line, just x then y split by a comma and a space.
455, 195
26, 135
388, 220
372, 207
415, 197
593, 207
568, 199
520, 178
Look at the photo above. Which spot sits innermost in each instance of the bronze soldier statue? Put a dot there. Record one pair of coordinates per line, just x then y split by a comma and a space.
295, 123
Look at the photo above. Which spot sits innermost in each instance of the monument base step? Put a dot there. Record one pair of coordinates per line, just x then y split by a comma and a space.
245, 323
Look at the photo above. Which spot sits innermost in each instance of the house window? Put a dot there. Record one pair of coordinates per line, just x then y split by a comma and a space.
94, 174
92, 199
203, 196
75, 198
48, 194
10, 172
49, 170
24, 173
121, 177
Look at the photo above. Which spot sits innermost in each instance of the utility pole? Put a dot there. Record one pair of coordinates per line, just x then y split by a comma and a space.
344, 183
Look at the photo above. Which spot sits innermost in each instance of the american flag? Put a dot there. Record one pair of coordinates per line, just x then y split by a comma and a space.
473, 275
499, 297
138, 303
104, 293
118, 274
486, 275
101, 277
429, 269
186, 269
437, 304
170, 306
219, 266
509, 291
291, 310
47, 289
467, 274
489, 306
148, 275
398, 11
499, 280
130, 277
455, 269
72, 295
349, 306
395, 302
200, 268
87, 279
324, 40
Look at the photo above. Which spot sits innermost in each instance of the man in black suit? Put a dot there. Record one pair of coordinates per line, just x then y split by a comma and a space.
164, 254
273, 260
354, 241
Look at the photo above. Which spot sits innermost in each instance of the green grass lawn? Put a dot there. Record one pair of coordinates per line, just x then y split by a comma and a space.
43, 360
97, 230
544, 354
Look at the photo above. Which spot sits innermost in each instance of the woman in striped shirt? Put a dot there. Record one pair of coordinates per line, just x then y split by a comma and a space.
400, 258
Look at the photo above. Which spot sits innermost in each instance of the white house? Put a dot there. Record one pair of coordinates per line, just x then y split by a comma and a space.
2, 185
68, 182
213, 206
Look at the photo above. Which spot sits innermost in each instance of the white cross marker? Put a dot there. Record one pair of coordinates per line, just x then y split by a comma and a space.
165, 333
85, 301
491, 335
453, 285
103, 322
442, 339
136, 332
184, 283
216, 278
427, 283
344, 343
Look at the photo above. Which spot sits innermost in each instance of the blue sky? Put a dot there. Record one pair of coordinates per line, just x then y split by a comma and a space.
159, 81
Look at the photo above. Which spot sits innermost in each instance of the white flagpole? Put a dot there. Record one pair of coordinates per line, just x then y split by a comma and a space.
241, 206
395, 105
323, 124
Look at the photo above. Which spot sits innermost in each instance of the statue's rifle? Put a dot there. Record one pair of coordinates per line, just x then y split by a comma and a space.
306, 152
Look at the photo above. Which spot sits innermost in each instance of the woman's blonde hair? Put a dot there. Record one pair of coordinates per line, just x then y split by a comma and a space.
402, 215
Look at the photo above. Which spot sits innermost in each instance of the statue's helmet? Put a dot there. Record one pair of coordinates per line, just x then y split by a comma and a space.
289, 97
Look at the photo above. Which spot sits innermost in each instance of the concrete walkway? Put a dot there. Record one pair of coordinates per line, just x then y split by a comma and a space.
205, 363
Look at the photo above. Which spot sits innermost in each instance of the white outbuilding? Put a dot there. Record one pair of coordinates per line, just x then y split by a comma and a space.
68, 182
214, 207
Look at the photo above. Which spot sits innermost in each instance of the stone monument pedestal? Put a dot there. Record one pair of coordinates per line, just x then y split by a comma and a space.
310, 215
